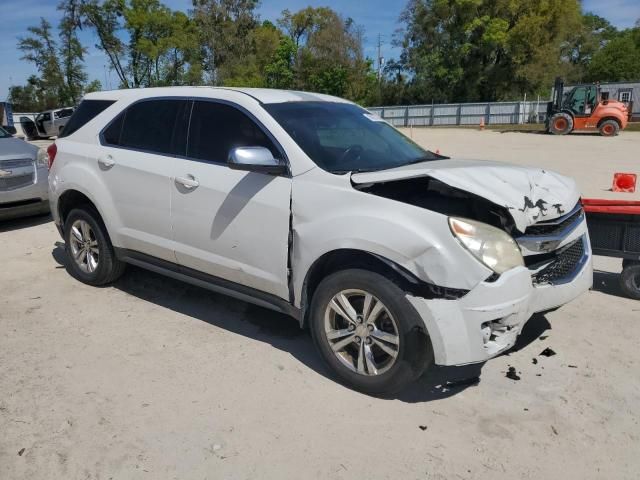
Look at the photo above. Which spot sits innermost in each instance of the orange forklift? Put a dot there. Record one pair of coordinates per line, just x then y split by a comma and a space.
585, 108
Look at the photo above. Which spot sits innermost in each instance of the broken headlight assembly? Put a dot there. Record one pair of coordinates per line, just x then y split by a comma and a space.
493, 247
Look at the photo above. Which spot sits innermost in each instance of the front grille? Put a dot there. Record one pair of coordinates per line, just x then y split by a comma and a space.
567, 260
20, 163
549, 228
22, 174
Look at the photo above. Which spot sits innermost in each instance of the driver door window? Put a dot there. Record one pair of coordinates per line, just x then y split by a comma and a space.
217, 128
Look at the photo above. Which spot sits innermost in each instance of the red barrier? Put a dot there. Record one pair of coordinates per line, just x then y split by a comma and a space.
599, 205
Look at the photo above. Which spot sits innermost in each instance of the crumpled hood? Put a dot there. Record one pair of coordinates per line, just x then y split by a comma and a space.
530, 194
15, 148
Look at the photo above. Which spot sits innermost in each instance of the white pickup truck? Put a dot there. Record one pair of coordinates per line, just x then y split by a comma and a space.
45, 124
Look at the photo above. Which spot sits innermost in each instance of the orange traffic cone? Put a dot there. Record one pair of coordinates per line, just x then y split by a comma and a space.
482, 123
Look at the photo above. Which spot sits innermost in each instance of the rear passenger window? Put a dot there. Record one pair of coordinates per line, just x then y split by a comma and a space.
86, 111
157, 126
216, 128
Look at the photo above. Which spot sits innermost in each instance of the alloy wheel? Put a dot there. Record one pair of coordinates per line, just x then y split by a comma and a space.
362, 333
84, 246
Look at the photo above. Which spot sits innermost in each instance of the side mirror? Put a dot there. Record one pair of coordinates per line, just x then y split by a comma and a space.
255, 159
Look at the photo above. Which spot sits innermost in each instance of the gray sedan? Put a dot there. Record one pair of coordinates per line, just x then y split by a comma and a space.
23, 178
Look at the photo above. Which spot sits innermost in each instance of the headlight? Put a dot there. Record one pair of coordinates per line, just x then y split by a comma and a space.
42, 159
493, 247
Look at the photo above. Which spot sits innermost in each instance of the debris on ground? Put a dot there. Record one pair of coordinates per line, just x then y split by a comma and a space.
534, 361
547, 352
543, 337
21, 452
572, 366
465, 382
422, 427
555, 432
526, 409
511, 373
448, 385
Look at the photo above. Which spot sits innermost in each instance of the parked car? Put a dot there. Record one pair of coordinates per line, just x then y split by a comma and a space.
392, 255
45, 124
23, 178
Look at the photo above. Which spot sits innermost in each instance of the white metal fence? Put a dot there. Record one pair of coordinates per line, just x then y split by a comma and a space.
464, 113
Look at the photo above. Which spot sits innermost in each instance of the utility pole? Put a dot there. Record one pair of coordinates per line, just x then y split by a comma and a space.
380, 57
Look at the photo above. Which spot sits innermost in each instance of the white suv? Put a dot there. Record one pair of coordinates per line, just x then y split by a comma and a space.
393, 256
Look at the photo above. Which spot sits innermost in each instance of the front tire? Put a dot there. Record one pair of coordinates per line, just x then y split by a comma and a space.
90, 255
368, 333
561, 124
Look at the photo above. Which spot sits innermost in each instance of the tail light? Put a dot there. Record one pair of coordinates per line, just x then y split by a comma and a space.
51, 152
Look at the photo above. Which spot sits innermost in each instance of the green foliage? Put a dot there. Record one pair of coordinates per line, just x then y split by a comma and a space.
618, 60
29, 97
161, 46
466, 50
71, 53
279, 72
451, 50
41, 49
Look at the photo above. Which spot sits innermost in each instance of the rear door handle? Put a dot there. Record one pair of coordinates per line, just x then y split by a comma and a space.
106, 161
189, 182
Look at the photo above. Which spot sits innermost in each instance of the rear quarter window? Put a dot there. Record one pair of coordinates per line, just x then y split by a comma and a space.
86, 111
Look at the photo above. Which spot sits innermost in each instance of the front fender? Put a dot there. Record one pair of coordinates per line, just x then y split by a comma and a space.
329, 214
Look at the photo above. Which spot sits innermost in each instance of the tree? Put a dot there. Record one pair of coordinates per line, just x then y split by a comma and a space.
40, 48
279, 71
466, 50
28, 97
618, 60
71, 53
324, 54
593, 35
225, 28
146, 43
93, 86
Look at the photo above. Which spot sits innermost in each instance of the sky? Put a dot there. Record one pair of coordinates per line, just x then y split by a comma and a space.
378, 17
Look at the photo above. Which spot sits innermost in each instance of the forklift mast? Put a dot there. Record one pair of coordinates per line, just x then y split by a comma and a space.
555, 105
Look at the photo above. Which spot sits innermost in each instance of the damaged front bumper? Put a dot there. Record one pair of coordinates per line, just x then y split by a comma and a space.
488, 320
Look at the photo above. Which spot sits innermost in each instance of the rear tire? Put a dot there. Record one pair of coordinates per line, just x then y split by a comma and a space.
630, 280
609, 128
561, 124
391, 342
90, 254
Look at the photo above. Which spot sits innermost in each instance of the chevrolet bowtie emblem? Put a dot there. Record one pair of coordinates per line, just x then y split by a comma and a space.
5, 173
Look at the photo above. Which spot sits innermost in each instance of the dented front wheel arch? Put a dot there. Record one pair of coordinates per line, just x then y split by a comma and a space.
344, 259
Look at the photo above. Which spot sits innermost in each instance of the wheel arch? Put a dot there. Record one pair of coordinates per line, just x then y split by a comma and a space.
74, 198
610, 117
347, 258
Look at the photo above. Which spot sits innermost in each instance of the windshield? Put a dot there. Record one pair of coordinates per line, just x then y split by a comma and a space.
342, 137
4, 133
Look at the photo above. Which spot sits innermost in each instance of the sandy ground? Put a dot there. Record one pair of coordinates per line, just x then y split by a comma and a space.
151, 378
589, 158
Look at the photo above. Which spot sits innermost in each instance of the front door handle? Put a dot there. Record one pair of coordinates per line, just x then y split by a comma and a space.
106, 161
189, 182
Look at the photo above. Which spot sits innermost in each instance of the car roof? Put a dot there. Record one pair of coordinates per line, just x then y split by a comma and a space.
262, 95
